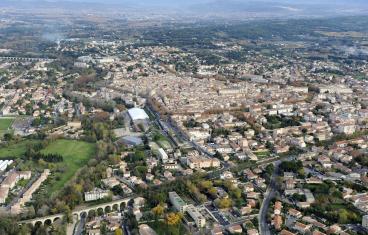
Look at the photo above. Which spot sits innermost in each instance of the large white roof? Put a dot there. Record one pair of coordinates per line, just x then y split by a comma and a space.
137, 114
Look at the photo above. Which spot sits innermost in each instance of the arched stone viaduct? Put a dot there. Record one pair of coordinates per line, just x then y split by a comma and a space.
26, 59
104, 207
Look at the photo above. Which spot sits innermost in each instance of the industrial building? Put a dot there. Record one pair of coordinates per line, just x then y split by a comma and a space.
137, 114
163, 155
132, 140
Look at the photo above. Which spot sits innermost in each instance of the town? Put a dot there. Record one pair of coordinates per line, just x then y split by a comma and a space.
163, 133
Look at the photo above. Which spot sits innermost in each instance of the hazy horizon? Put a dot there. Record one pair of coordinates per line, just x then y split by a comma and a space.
230, 9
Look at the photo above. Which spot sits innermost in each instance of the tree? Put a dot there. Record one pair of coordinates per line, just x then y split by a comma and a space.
159, 198
212, 192
103, 228
223, 203
8, 136
58, 229
229, 185
68, 217
8, 225
140, 171
24, 230
158, 210
173, 219
343, 216
218, 155
205, 185
118, 190
119, 231
101, 149
237, 193
139, 155
270, 146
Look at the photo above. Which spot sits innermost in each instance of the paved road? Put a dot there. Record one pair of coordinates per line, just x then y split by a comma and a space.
268, 196
79, 226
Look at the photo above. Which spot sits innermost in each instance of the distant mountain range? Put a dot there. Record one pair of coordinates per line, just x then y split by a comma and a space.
212, 8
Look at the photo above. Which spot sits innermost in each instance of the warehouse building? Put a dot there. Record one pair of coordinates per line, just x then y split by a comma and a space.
137, 114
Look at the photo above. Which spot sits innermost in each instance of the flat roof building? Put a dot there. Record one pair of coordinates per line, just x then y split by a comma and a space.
137, 114
163, 155
178, 203
365, 221
132, 140
196, 216
95, 194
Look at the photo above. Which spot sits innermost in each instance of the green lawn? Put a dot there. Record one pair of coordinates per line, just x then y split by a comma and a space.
164, 144
15, 150
5, 123
162, 229
154, 147
75, 153
262, 154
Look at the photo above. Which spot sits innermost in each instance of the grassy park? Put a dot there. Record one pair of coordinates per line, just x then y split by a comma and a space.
5, 124
262, 154
15, 150
75, 154
161, 140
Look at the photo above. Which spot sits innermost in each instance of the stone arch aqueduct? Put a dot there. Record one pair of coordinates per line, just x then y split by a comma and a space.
79, 212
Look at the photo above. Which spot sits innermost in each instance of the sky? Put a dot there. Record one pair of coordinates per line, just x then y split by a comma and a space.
186, 2
223, 8
169, 2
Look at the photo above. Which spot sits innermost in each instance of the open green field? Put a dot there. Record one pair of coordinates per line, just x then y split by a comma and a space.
164, 144
154, 147
162, 229
162, 141
75, 153
262, 154
15, 150
5, 124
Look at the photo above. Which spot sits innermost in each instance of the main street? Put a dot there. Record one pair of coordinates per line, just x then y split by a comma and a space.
79, 227
268, 196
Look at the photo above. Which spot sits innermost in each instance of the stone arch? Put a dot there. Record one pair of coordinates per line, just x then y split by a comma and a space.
130, 202
91, 213
108, 209
115, 207
57, 219
29, 224
75, 216
80, 213
122, 205
83, 214
47, 222
100, 211
38, 223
